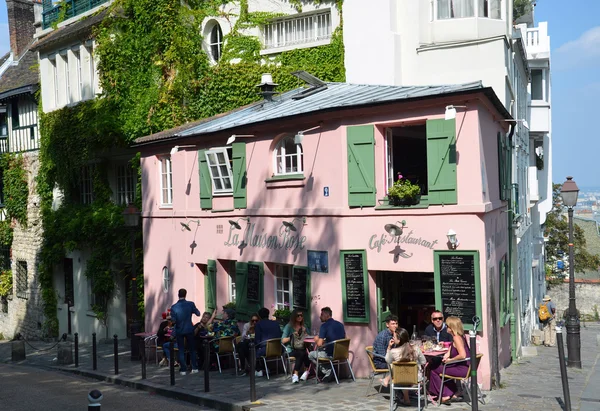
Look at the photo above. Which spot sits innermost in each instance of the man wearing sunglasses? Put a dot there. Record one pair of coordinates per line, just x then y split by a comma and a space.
437, 329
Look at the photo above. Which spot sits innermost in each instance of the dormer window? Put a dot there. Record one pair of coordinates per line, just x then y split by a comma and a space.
287, 157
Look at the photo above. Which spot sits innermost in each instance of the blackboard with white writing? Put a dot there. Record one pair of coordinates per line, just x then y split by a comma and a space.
253, 292
457, 285
355, 286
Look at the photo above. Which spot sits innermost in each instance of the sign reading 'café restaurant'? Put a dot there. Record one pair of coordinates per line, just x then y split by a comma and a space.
286, 239
377, 242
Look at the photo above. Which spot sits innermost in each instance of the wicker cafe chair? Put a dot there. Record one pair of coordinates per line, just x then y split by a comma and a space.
464, 381
341, 352
374, 370
275, 351
405, 376
226, 349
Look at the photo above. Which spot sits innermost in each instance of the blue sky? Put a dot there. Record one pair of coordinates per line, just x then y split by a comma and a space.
575, 38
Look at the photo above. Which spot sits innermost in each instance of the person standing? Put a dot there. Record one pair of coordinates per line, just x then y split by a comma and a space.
181, 313
549, 323
381, 344
331, 330
438, 329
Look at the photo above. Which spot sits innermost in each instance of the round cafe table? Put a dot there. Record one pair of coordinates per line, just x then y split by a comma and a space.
434, 357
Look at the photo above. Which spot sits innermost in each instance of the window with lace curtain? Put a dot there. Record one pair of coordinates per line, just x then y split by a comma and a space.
456, 9
287, 157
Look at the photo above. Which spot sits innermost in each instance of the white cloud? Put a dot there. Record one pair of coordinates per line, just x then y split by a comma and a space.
4, 39
583, 52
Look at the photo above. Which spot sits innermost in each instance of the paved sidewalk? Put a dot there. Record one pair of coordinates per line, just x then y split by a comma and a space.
531, 384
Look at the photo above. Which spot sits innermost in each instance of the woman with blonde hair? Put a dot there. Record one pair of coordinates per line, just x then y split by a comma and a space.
405, 352
458, 351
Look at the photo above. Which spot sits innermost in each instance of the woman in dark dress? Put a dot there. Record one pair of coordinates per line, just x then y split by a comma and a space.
458, 351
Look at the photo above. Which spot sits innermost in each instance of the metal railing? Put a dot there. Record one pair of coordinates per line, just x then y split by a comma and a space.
52, 12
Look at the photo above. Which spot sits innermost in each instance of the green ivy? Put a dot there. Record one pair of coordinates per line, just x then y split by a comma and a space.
6, 283
16, 191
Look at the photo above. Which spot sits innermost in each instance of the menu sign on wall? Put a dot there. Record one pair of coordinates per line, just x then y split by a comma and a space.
355, 286
457, 286
253, 292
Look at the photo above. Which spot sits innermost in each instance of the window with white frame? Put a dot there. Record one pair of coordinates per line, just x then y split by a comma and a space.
489, 8
86, 184
537, 84
54, 78
91, 68
283, 286
166, 181
77, 58
65, 62
406, 155
165, 279
297, 30
126, 182
215, 44
220, 164
287, 157
456, 9
231, 279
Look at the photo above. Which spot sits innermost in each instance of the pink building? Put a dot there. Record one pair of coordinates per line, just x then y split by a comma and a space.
294, 210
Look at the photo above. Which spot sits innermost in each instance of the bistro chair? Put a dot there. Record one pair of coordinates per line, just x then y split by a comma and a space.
374, 370
463, 381
405, 376
275, 351
150, 345
341, 352
226, 348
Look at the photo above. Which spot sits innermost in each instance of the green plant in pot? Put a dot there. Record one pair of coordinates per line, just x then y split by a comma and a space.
282, 314
230, 304
403, 192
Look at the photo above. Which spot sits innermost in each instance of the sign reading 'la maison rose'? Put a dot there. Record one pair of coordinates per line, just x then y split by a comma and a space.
288, 240
378, 241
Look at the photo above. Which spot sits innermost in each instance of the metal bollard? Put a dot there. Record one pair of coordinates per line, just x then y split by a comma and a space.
563, 368
172, 362
143, 354
76, 350
252, 371
94, 398
116, 353
206, 365
94, 354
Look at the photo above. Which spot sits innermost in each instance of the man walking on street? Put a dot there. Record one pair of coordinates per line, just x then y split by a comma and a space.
331, 330
549, 330
181, 313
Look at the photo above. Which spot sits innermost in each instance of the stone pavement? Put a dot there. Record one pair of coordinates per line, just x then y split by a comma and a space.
533, 383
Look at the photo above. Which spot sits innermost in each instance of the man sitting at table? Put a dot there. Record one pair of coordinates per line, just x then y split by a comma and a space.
382, 342
264, 330
437, 329
331, 330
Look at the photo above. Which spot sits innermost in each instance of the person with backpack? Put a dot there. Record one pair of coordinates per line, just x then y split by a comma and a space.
546, 314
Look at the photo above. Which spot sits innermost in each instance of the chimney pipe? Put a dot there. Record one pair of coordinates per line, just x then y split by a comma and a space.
20, 25
267, 87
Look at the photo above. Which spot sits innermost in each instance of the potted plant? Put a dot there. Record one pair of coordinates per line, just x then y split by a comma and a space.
403, 192
282, 314
230, 304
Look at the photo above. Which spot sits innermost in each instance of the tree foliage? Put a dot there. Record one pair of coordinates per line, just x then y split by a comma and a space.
557, 232
522, 7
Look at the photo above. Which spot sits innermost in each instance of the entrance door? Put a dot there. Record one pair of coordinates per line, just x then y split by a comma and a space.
387, 297
69, 292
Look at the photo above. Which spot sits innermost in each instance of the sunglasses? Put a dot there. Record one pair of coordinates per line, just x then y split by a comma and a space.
300, 315
253, 320
438, 319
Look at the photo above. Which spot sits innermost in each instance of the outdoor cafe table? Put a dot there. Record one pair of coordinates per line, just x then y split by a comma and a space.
434, 357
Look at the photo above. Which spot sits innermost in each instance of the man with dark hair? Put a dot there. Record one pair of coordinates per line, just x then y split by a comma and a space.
331, 330
264, 330
382, 340
181, 314
437, 329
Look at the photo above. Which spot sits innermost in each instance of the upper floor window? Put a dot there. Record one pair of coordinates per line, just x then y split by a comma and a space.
91, 67
77, 57
86, 184
283, 286
537, 85
298, 30
126, 183
65, 62
166, 182
220, 167
14, 114
215, 41
287, 157
489, 8
3, 125
456, 9
54, 79
406, 155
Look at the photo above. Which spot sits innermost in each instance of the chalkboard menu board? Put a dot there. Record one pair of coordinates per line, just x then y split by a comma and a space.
355, 286
457, 285
253, 292
300, 279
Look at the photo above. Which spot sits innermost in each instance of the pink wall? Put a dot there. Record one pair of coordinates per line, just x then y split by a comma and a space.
331, 226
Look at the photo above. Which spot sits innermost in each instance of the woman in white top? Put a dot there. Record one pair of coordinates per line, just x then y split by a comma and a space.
405, 352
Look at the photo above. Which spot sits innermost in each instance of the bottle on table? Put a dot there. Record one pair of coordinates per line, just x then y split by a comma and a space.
414, 334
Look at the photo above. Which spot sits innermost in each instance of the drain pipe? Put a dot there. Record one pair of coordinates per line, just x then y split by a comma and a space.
511, 231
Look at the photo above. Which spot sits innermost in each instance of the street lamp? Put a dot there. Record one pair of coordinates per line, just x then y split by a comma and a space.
569, 192
131, 215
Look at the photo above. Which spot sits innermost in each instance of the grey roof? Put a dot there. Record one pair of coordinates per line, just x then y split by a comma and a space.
22, 77
336, 96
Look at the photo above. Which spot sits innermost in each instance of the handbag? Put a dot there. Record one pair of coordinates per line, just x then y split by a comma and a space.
298, 340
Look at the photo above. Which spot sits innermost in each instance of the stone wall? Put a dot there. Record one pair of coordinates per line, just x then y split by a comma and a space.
25, 311
587, 296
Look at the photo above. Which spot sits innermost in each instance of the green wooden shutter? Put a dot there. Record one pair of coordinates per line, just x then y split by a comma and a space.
441, 161
504, 166
306, 303
210, 286
205, 182
361, 166
244, 307
239, 175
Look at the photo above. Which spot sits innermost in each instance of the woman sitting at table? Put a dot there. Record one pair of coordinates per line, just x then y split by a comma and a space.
405, 352
292, 338
227, 327
248, 328
243, 347
166, 334
458, 351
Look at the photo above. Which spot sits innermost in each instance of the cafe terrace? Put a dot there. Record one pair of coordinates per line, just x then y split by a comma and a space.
285, 201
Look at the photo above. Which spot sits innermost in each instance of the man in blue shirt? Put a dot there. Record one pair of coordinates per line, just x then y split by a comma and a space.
331, 330
438, 329
181, 314
264, 330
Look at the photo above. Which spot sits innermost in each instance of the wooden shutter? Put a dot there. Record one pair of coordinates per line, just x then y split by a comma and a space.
239, 175
244, 306
441, 161
297, 273
504, 166
361, 166
205, 182
210, 286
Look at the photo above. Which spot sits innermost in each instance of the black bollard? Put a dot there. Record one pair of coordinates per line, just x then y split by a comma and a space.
206, 365
116, 353
473, 349
563, 368
94, 356
143, 355
94, 398
252, 371
76, 350
172, 362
